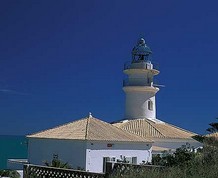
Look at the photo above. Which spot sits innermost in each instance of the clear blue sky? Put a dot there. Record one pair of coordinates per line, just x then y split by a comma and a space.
61, 59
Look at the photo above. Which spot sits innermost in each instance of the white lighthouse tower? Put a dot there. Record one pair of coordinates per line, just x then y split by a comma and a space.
140, 87
140, 115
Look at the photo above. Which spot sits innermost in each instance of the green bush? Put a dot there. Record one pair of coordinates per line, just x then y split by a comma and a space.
58, 164
183, 163
9, 173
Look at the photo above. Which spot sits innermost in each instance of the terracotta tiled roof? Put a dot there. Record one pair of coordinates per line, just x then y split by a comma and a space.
215, 135
149, 129
89, 129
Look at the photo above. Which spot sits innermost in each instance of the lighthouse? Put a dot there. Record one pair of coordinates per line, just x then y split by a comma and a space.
139, 86
140, 108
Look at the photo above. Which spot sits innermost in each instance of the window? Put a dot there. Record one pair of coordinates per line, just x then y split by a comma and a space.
134, 160
131, 160
150, 105
148, 81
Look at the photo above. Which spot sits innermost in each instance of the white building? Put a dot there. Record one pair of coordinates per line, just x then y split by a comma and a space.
88, 143
140, 112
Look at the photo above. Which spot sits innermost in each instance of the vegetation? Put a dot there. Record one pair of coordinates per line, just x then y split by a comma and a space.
213, 127
58, 164
208, 140
184, 163
9, 173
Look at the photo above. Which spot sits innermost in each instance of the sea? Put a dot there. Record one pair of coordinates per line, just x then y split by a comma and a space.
12, 147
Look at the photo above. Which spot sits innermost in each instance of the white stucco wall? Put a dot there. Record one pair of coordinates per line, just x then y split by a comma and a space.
85, 154
139, 90
173, 144
96, 151
71, 151
137, 105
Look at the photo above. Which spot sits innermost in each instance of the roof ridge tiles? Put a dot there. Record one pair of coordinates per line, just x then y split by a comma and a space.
148, 121
87, 127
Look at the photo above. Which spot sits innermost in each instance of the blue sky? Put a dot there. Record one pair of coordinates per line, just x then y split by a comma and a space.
59, 60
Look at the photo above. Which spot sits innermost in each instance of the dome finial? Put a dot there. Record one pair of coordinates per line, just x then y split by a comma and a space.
141, 41
90, 115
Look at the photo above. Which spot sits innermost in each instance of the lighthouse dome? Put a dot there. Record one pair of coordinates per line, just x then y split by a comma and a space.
141, 49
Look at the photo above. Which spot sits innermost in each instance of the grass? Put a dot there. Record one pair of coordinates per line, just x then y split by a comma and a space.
182, 164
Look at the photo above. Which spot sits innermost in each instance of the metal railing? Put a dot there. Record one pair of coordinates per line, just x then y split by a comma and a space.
127, 65
126, 83
119, 169
36, 171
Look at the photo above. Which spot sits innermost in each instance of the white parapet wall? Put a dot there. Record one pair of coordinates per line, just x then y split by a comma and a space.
16, 164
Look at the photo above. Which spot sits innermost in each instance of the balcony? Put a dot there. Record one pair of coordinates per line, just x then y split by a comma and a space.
139, 82
141, 65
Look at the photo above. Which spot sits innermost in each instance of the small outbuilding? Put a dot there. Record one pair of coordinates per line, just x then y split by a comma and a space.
88, 143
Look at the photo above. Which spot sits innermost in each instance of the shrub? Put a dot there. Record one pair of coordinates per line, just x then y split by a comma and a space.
182, 163
9, 173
